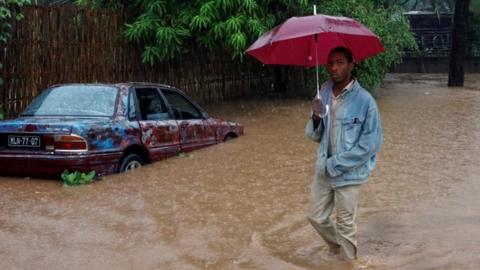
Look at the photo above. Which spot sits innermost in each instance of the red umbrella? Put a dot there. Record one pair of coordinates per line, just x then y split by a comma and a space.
295, 41
306, 41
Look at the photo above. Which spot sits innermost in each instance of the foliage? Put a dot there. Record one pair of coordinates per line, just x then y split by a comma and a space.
388, 23
169, 28
475, 6
77, 178
7, 13
103, 4
474, 31
166, 29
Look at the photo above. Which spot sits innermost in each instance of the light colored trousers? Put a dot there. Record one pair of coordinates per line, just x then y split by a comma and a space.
323, 199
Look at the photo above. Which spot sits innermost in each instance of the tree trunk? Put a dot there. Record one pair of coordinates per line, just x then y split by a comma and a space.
457, 54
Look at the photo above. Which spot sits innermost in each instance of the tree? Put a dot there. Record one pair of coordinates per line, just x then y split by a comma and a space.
456, 72
167, 28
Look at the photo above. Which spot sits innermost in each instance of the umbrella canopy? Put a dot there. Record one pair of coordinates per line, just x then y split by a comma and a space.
306, 41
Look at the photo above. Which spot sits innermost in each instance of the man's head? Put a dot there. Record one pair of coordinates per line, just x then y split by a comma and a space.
340, 65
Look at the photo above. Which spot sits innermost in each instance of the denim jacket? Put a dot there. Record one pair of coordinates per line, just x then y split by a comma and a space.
358, 137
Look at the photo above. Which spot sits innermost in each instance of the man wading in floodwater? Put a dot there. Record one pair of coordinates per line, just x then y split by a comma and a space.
350, 135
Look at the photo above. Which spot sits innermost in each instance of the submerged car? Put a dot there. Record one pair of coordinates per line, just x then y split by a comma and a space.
108, 128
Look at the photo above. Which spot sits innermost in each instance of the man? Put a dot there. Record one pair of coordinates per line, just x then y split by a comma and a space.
350, 135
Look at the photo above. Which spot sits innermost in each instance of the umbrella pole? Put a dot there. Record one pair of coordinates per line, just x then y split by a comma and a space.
316, 64
316, 54
318, 84
316, 70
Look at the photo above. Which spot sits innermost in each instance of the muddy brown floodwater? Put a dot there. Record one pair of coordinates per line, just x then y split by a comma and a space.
243, 204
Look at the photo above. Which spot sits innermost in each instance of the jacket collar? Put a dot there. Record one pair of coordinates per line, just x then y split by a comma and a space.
351, 87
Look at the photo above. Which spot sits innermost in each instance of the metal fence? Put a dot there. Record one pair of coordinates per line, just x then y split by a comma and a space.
433, 34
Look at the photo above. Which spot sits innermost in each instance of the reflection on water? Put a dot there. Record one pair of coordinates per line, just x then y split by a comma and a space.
243, 204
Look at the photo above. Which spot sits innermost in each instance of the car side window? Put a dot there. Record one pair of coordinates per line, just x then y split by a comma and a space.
182, 108
132, 109
151, 104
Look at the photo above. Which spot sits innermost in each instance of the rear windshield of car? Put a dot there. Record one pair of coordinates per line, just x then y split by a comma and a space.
74, 100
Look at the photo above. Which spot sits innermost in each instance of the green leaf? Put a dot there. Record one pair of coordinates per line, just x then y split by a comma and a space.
208, 9
5, 13
256, 27
141, 28
219, 30
238, 41
183, 154
91, 175
77, 178
164, 34
73, 177
185, 17
199, 22
151, 54
233, 24
19, 17
226, 4
250, 5
157, 7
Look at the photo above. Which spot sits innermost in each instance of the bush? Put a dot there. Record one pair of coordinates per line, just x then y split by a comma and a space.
389, 24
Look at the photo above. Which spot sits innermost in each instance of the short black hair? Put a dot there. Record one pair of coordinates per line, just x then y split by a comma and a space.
345, 51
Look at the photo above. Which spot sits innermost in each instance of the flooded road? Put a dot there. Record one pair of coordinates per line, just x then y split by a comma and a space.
243, 204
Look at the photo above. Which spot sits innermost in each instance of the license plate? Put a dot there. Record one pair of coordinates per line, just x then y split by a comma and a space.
23, 141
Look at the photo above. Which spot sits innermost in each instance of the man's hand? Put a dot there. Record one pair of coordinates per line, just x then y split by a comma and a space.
317, 107
317, 110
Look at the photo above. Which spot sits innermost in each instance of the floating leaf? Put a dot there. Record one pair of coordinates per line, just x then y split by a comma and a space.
77, 178
183, 154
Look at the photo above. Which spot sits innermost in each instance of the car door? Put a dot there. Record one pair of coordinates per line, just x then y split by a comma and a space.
160, 132
195, 130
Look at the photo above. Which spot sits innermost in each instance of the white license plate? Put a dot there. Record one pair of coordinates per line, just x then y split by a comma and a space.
23, 141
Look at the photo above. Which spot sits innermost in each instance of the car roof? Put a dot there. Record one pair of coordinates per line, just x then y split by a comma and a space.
126, 84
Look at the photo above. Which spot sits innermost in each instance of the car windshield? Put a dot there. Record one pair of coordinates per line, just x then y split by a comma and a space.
74, 100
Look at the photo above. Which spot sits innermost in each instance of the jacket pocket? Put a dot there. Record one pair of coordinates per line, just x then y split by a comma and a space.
351, 128
359, 173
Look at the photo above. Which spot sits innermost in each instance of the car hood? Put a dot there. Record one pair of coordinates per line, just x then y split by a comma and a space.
58, 125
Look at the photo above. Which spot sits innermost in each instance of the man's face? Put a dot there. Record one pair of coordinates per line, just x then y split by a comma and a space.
338, 67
